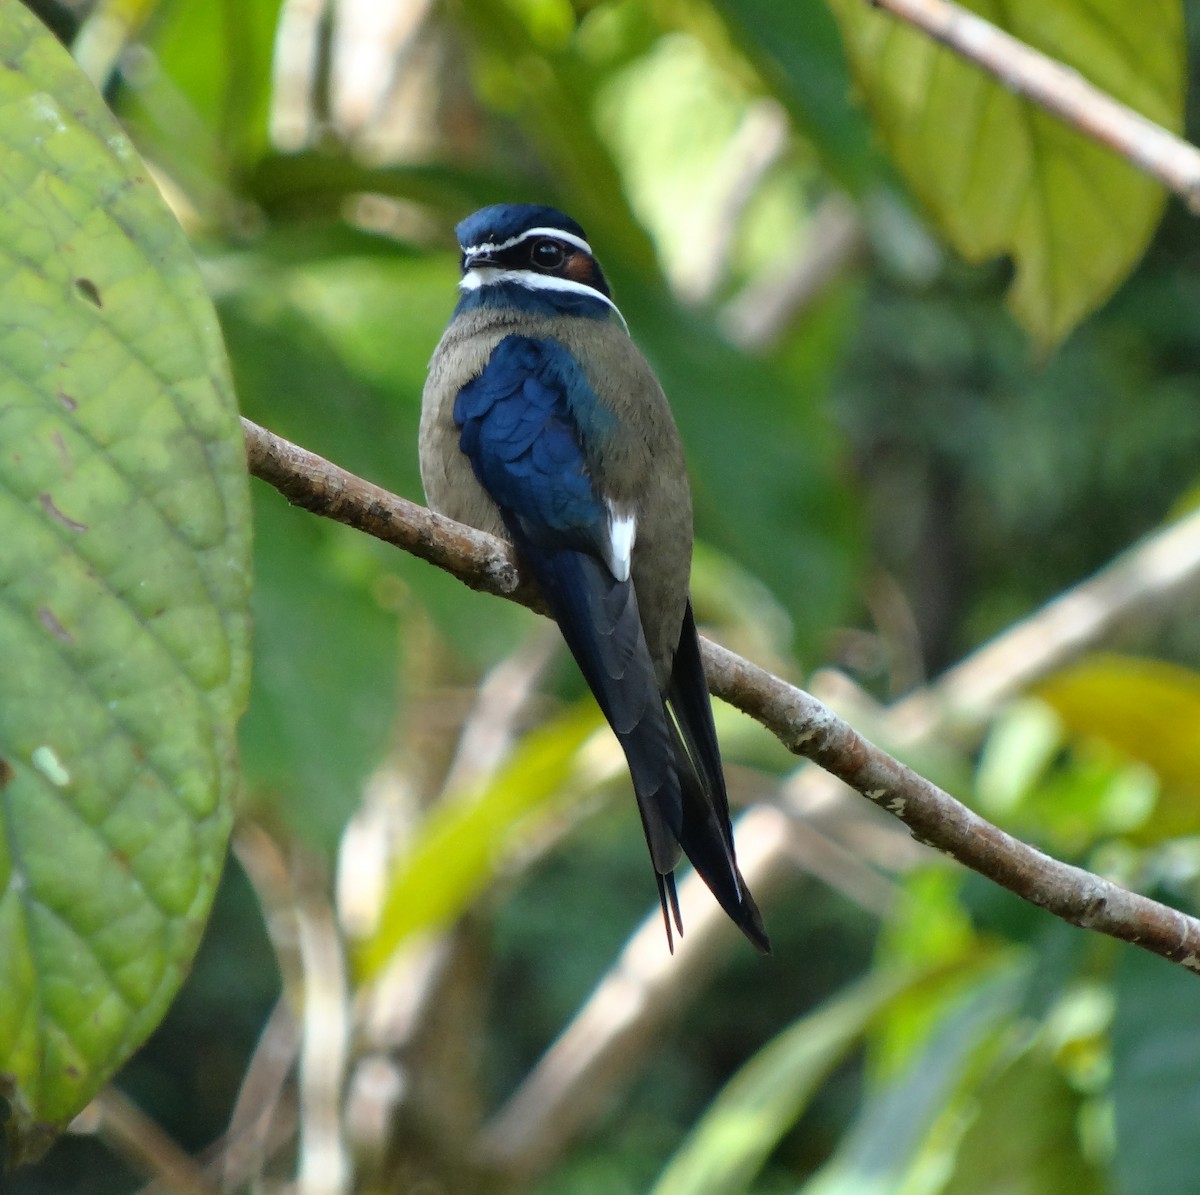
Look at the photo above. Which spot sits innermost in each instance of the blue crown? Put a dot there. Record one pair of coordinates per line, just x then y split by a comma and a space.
502, 221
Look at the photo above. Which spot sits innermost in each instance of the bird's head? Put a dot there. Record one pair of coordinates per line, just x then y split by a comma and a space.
532, 257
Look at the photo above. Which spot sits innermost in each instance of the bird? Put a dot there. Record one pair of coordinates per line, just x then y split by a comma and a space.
542, 423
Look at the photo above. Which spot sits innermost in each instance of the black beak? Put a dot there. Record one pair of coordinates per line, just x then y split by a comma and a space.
473, 261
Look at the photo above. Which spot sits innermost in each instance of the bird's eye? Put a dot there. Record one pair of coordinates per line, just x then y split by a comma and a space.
547, 254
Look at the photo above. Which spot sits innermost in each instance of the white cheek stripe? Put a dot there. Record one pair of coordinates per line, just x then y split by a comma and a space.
557, 233
488, 276
622, 532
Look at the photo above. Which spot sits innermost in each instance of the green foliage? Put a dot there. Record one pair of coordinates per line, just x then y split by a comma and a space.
1000, 176
799, 55
1156, 1053
124, 582
1143, 710
473, 835
906, 1126
199, 105
881, 482
1024, 1138
731, 1141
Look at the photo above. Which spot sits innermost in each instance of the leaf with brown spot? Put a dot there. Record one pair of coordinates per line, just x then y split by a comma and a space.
123, 593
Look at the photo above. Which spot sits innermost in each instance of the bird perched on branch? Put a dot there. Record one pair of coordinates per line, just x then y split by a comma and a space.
542, 423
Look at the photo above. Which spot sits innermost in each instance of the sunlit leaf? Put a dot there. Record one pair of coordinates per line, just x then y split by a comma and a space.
123, 623
998, 174
1020, 744
1068, 790
1146, 710
469, 837
1156, 1058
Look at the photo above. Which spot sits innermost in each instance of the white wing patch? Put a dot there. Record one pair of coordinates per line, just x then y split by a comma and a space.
622, 531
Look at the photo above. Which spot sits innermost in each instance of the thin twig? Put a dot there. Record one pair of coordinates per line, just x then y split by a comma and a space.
129, 1132
799, 720
808, 728
313, 483
1064, 92
248, 1136
324, 1164
262, 1120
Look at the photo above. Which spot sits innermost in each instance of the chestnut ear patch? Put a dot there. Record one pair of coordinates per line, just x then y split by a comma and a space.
579, 267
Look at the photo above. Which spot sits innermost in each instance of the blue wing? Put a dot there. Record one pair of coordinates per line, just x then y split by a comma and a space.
520, 426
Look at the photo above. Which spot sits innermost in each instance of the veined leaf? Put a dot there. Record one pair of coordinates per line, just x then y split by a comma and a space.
999, 175
123, 592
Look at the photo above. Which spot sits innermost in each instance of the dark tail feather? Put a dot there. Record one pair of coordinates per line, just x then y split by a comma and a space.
669, 899
707, 840
691, 703
599, 619
706, 835
678, 781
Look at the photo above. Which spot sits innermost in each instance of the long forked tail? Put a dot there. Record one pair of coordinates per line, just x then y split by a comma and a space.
674, 761
705, 833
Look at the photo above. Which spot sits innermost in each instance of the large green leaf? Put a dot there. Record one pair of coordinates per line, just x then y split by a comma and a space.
123, 592
1002, 177
1155, 1089
1024, 1137
764, 1099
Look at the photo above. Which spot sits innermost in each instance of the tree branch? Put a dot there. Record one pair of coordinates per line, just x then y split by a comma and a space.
1061, 91
802, 723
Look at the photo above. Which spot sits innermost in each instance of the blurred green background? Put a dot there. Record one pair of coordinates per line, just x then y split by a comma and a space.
933, 362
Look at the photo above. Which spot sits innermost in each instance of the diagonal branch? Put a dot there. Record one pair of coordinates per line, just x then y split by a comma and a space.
802, 723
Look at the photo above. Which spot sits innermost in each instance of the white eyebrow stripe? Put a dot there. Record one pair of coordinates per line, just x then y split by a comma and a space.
475, 280
557, 233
